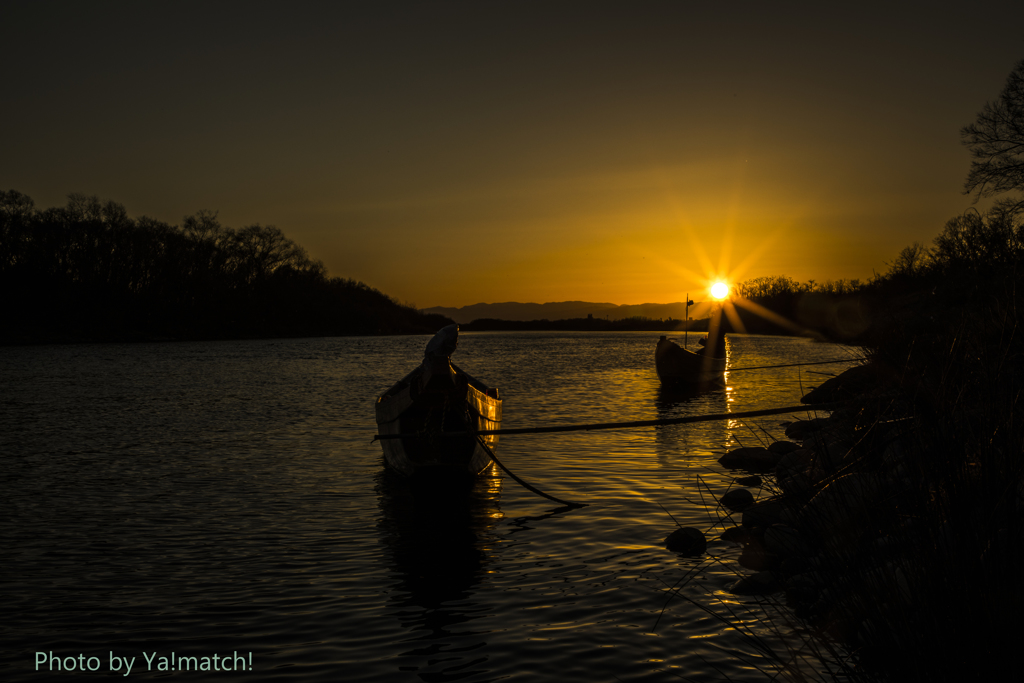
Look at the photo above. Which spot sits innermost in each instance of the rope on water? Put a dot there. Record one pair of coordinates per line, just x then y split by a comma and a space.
793, 365
624, 425
522, 483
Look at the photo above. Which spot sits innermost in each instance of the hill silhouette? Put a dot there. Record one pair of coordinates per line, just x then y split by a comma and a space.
566, 310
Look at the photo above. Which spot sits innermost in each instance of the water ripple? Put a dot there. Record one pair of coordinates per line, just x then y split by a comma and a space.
208, 498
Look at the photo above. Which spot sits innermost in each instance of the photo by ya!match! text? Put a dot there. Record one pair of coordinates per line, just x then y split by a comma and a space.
48, 661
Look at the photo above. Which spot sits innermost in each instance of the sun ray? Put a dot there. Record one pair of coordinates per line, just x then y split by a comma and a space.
732, 216
698, 251
725, 249
734, 317
669, 264
768, 315
756, 253
699, 239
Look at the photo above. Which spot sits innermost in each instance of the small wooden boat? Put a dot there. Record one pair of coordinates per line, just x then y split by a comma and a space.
678, 367
436, 397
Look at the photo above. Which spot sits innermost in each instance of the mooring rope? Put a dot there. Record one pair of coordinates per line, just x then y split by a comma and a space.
624, 425
522, 483
793, 365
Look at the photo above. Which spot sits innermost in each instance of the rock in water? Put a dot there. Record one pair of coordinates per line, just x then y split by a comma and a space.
687, 541
753, 459
737, 500
851, 383
800, 429
761, 583
763, 513
782, 447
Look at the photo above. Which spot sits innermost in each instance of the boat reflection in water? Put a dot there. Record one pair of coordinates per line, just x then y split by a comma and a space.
438, 543
690, 441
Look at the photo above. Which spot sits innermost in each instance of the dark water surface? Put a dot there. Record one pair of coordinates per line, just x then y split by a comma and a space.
213, 498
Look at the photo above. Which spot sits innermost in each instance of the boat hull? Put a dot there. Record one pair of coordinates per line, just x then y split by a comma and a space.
433, 400
678, 367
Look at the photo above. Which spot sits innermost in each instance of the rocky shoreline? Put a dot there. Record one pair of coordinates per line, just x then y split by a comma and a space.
840, 522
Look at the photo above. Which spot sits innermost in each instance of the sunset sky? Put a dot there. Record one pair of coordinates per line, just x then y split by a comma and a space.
455, 153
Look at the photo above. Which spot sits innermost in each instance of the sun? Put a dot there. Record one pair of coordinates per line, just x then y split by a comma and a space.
720, 290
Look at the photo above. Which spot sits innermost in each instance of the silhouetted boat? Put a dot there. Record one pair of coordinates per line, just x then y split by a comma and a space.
437, 397
678, 367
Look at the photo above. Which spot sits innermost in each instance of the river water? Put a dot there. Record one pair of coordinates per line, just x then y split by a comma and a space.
208, 499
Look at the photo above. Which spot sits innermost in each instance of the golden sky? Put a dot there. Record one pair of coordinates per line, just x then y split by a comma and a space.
456, 153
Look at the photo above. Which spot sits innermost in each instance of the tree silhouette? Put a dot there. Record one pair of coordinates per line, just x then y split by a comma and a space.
89, 272
259, 251
981, 242
910, 262
996, 142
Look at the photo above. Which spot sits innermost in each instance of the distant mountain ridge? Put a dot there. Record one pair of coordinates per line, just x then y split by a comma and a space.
561, 310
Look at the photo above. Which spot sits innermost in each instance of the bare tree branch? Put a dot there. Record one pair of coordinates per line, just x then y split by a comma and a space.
996, 142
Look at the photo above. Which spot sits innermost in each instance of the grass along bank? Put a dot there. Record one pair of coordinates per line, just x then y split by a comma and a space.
891, 531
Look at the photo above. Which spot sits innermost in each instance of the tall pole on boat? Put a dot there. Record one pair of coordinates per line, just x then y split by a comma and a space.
686, 323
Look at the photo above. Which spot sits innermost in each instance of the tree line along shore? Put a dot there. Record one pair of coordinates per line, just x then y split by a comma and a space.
87, 272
